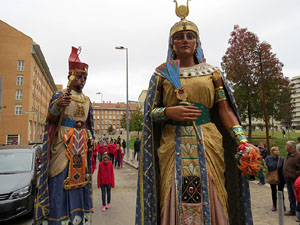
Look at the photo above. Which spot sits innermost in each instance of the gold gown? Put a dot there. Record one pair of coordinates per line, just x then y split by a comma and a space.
197, 81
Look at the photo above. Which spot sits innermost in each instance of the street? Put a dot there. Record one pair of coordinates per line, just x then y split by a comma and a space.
122, 211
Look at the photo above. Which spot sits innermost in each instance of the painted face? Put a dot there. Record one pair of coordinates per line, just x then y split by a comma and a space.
184, 43
79, 82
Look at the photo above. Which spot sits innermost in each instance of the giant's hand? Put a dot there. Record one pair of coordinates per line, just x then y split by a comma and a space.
182, 113
63, 100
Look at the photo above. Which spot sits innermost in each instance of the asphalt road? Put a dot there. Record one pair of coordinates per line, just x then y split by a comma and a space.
122, 211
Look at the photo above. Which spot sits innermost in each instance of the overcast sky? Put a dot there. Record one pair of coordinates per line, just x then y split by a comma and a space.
143, 27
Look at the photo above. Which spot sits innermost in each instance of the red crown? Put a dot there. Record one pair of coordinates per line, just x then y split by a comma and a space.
74, 63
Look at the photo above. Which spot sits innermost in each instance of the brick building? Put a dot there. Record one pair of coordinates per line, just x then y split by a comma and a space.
106, 114
26, 86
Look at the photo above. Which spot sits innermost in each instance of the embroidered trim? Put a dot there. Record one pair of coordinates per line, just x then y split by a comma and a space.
158, 114
220, 95
80, 99
55, 110
198, 70
238, 135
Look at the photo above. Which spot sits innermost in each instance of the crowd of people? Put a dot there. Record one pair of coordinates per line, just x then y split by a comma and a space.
288, 171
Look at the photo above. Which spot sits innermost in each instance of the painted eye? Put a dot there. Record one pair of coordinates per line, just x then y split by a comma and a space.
191, 36
178, 37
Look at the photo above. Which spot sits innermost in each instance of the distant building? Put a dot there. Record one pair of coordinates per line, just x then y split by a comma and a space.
295, 81
142, 98
106, 114
26, 87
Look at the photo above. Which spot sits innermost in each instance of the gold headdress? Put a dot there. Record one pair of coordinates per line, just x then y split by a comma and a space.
182, 11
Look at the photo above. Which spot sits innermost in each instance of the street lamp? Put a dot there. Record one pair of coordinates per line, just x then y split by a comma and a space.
100, 93
127, 107
37, 122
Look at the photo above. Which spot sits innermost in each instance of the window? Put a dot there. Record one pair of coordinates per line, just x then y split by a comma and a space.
20, 65
109, 112
114, 117
109, 117
114, 112
19, 80
13, 139
19, 94
18, 109
117, 112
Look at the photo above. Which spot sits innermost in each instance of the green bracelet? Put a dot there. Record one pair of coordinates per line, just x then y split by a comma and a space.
238, 135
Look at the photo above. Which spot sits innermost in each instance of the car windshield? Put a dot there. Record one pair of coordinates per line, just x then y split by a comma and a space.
15, 162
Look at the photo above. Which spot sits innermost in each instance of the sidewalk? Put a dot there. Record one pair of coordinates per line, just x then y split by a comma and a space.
131, 162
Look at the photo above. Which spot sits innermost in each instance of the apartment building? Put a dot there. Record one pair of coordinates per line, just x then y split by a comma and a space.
26, 87
106, 114
295, 81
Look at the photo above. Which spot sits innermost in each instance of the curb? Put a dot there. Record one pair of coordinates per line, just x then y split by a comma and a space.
130, 164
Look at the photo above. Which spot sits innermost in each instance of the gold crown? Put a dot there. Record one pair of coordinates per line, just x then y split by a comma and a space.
182, 11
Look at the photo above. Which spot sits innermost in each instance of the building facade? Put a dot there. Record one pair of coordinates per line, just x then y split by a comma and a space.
295, 81
110, 114
26, 87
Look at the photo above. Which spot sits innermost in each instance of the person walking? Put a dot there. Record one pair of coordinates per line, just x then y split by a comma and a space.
106, 181
298, 144
118, 156
95, 153
263, 153
137, 146
275, 162
111, 151
124, 145
291, 171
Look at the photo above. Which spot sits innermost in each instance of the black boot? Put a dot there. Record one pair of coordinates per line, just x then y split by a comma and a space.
274, 205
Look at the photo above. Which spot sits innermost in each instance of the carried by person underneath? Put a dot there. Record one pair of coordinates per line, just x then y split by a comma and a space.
64, 195
188, 172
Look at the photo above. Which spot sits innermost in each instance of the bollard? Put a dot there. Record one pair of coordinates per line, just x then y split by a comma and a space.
280, 208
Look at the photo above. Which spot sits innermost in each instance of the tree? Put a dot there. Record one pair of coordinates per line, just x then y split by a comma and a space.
256, 76
239, 66
110, 129
136, 122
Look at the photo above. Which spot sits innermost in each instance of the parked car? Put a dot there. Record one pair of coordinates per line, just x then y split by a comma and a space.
18, 177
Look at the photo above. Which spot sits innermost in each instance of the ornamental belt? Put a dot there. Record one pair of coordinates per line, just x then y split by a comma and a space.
66, 122
203, 119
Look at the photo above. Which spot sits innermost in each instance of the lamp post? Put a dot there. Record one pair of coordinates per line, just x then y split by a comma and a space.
100, 93
127, 106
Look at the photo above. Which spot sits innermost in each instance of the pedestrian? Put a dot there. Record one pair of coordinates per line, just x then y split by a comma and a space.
183, 165
124, 145
65, 188
137, 146
111, 151
100, 149
122, 157
106, 180
263, 153
118, 156
298, 144
291, 171
95, 153
275, 163
283, 132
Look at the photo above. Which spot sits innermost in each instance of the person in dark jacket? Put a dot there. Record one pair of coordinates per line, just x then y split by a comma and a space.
124, 145
291, 171
273, 165
137, 145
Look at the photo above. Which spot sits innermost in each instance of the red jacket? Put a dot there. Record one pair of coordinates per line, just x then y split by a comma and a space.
118, 153
106, 174
100, 148
297, 189
111, 148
